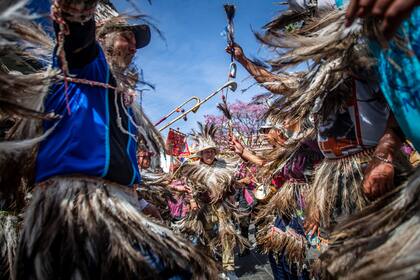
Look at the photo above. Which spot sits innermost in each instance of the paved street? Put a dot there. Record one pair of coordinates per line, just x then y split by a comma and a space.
253, 267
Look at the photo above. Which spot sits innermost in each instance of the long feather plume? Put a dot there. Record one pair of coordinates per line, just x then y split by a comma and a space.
230, 14
225, 110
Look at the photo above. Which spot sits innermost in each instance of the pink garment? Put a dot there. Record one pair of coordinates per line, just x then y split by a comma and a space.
248, 197
178, 206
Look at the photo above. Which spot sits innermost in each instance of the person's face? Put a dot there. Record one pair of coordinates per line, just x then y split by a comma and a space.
123, 49
274, 137
143, 160
208, 156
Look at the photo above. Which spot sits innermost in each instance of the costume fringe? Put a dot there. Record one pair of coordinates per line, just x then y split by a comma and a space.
204, 137
149, 133
285, 201
192, 224
227, 236
87, 228
9, 236
289, 242
271, 239
382, 241
337, 187
155, 190
24, 83
332, 48
225, 216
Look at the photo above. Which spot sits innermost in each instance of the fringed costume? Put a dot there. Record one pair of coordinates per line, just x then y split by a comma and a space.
339, 95
91, 228
281, 233
214, 220
82, 220
24, 47
155, 189
380, 242
338, 98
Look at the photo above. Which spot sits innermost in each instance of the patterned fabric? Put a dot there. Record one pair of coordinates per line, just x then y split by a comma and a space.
356, 127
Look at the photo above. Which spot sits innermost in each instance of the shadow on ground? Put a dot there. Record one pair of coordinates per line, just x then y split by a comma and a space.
253, 266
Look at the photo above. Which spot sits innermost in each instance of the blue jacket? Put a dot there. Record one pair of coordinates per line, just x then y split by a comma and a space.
89, 140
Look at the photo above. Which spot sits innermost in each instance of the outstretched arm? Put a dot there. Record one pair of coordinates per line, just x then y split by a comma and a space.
270, 81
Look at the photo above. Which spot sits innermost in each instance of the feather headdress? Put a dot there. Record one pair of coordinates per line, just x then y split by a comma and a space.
204, 137
216, 179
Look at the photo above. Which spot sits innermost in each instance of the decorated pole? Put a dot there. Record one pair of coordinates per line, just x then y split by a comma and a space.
230, 14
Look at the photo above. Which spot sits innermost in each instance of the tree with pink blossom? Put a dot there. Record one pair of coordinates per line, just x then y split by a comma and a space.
247, 118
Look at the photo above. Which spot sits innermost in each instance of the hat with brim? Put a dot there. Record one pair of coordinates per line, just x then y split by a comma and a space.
141, 32
201, 149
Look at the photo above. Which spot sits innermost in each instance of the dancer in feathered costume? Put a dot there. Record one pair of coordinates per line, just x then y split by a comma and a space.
280, 220
154, 188
211, 180
381, 242
82, 221
340, 96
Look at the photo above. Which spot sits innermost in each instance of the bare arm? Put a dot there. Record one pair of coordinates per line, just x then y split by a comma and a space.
260, 74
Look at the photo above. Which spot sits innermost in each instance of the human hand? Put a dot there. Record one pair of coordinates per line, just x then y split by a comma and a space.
378, 178
311, 224
236, 50
193, 205
235, 145
151, 210
183, 188
74, 10
311, 227
391, 12
245, 181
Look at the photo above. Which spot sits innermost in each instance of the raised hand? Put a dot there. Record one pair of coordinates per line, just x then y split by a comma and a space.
391, 12
74, 10
236, 50
235, 145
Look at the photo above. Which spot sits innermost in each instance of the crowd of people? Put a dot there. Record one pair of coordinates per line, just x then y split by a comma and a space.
333, 194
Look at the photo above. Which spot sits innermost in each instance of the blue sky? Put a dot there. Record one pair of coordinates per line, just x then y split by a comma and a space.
193, 61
